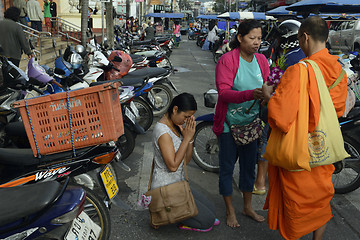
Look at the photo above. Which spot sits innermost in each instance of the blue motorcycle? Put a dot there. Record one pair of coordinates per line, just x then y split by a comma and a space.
46, 210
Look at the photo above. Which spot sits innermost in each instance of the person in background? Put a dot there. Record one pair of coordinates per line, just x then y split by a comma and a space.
150, 31
135, 26
14, 42
212, 36
53, 12
90, 21
177, 33
21, 4
173, 142
298, 202
239, 75
35, 15
47, 14
129, 24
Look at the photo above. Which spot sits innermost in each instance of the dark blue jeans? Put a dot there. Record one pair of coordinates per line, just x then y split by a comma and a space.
229, 153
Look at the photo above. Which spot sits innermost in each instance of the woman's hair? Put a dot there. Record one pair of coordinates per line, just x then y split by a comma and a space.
184, 102
212, 24
177, 22
244, 28
12, 13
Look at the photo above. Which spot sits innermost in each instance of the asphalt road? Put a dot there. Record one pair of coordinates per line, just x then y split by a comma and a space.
196, 75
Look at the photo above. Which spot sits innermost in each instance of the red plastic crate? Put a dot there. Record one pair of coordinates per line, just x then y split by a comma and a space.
95, 115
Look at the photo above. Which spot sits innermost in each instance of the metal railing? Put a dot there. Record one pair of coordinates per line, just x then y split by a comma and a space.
64, 28
36, 37
60, 27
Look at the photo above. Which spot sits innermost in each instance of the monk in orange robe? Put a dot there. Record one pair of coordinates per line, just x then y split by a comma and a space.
298, 203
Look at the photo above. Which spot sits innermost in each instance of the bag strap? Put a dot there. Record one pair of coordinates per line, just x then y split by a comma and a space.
152, 172
337, 81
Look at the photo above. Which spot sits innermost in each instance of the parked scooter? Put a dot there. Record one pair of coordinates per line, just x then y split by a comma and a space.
90, 168
47, 210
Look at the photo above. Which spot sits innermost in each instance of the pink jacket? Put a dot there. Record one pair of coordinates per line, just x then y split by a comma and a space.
225, 73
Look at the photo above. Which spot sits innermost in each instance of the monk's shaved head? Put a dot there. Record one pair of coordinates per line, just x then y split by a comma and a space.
316, 27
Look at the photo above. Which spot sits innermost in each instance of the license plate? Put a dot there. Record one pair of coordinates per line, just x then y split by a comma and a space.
130, 115
151, 98
83, 227
134, 109
109, 182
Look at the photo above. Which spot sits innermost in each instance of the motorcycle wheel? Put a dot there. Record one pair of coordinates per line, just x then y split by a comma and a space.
165, 63
198, 40
167, 50
146, 116
126, 143
163, 97
217, 57
346, 177
98, 212
206, 148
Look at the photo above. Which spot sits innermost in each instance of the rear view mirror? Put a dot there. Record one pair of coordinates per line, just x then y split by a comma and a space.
31, 45
53, 43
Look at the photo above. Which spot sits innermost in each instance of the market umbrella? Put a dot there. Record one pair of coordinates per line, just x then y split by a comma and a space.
325, 6
245, 15
280, 11
207, 17
166, 15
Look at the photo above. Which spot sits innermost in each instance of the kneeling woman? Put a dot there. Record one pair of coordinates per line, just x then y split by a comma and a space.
172, 149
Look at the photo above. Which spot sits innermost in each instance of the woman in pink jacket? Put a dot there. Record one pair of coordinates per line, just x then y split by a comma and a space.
240, 74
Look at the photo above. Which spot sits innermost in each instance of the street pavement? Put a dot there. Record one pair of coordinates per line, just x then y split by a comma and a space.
196, 75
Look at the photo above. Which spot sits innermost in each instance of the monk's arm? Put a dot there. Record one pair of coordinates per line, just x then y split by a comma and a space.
283, 106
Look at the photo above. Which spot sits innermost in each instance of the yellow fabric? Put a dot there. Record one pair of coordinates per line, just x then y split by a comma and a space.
326, 144
290, 150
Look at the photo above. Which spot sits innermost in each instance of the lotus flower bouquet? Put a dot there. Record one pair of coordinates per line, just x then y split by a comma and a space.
277, 69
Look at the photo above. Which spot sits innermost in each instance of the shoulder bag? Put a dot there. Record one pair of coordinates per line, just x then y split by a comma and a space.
326, 144
171, 203
245, 134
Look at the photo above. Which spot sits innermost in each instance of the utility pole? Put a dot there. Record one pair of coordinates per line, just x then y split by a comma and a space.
109, 23
84, 21
127, 9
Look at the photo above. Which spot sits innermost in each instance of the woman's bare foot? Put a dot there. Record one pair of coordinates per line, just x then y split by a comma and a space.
251, 213
231, 220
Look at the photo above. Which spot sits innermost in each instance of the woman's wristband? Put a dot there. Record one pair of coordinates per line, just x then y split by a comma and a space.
191, 142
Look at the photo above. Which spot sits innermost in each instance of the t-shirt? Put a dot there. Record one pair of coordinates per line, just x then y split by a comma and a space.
248, 77
162, 176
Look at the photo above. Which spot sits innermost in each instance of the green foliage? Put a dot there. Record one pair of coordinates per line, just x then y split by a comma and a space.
281, 61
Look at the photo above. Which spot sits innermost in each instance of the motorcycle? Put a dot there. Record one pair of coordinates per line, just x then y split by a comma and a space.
91, 169
55, 211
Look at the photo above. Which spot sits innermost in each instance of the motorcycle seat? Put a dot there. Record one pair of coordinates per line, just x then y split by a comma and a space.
162, 39
36, 196
147, 72
136, 58
135, 82
25, 157
145, 42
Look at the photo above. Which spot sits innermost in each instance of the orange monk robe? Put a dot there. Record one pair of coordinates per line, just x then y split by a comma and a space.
299, 202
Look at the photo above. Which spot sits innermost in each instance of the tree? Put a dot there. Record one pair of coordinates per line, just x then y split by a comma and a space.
221, 6
109, 23
84, 20
184, 5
